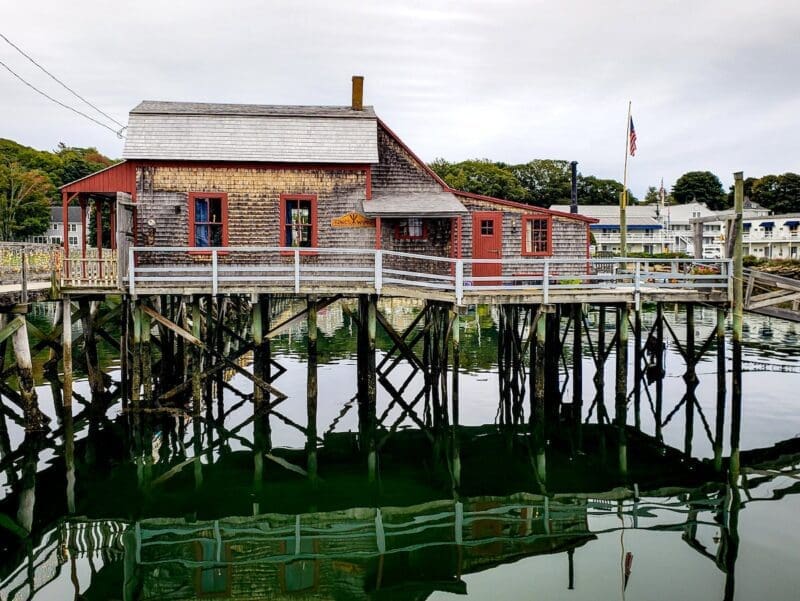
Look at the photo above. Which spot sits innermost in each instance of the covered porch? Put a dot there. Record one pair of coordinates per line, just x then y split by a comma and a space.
105, 199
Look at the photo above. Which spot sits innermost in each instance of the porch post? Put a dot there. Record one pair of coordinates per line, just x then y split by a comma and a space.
378, 240
98, 214
65, 222
112, 211
84, 234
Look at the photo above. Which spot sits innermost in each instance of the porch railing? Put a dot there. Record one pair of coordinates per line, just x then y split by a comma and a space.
91, 271
306, 270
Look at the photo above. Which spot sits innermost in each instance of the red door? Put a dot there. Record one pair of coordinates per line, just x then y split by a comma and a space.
487, 243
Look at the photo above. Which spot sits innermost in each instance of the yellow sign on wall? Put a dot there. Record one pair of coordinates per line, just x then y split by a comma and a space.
352, 220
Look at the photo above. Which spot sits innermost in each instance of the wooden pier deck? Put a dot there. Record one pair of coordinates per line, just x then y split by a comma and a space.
320, 271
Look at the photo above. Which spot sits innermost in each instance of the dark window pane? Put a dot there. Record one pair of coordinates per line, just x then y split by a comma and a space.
215, 210
216, 235
487, 227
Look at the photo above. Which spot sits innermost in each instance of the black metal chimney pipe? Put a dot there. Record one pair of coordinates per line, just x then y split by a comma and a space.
573, 207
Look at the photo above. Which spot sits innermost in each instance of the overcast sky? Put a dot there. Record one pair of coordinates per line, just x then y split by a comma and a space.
714, 84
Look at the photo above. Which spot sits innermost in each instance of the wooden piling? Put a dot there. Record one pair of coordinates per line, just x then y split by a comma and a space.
738, 310
621, 399
34, 420
659, 369
66, 353
455, 410
311, 390
136, 365
197, 368
600, 369
538, 415
95, 376
147, 359
552, 357
637, 367
577, 374
371, 320
691, 381
721, 390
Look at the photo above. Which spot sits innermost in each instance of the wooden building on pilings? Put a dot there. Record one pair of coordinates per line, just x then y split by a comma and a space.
221, 175
321, 203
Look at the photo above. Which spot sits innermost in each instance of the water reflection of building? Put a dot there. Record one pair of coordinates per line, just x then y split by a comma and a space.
354, 554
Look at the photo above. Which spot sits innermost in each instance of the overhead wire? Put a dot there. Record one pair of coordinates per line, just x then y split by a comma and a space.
59, 82
58, 102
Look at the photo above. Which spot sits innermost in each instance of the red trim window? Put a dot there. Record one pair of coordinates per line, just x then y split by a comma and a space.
537, 236
208, 219
412, 228
298, 215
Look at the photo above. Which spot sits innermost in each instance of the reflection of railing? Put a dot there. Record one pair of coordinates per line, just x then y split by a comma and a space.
240, 269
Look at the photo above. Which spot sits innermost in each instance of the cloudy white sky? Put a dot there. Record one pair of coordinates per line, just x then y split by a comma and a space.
714, 84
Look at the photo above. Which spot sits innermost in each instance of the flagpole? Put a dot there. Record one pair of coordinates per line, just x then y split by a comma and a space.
623, 199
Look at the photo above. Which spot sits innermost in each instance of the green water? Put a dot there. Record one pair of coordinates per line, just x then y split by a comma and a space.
160, 506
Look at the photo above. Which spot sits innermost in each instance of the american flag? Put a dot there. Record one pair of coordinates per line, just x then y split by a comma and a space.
632, 140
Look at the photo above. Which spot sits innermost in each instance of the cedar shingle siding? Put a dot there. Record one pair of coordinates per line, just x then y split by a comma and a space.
330, 152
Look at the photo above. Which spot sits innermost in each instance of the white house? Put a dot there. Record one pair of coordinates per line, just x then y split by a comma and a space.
55, 230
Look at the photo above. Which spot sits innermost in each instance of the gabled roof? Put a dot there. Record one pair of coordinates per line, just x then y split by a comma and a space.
192, 131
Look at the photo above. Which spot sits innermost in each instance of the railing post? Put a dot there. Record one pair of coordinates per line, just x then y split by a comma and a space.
459, 281
378, 271
637, 284
24, 273
297, 272
214, 284
131, 270
546, 282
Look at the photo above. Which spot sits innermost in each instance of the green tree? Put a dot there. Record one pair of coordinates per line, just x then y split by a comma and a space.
700, 186
24, 202
596, 191
546, 182
780, 193
480, 177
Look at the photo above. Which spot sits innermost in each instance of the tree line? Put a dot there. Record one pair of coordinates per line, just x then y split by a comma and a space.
29, 181
545, 182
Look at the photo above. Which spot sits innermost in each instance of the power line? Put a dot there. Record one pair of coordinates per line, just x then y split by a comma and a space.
58, 102
58, 81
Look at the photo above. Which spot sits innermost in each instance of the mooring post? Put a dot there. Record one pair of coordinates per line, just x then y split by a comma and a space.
311, 392
258, 341
738, 310
455, 444
721, 389
659, 368
621, 401
577, 373
66, 352
637, 366
691, 380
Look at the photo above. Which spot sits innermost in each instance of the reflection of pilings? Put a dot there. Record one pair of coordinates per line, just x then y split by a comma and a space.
721, 390
621, 399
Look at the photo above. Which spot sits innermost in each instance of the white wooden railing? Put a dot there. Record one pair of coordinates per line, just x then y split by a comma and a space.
305, 270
